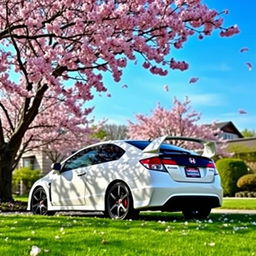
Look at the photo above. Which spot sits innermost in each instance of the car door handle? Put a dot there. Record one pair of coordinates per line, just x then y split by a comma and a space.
81, 174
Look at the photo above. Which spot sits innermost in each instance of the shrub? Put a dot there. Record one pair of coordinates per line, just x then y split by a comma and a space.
245, 194
26, 176
16, 206
247, 182
230, 171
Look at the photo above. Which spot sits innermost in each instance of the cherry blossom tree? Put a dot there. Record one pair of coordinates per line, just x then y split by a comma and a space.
55, 130
61, 49
180, 120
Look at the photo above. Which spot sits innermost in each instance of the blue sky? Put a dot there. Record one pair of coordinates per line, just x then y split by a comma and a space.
225, 85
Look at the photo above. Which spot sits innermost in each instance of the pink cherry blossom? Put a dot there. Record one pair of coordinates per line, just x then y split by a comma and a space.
230, 31
179, 120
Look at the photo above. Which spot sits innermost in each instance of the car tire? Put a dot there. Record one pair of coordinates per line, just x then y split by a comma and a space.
202, 213
39, 202
119, 203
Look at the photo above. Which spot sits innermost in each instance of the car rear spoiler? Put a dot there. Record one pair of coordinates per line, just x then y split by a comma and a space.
209, 149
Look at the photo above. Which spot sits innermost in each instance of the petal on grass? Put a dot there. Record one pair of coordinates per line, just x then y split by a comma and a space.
35, 250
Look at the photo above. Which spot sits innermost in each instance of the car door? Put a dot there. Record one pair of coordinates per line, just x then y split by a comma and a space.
68, 187
102, 172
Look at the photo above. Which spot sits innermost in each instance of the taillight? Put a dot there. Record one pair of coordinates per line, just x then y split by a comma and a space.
157, 164
169, 162
212, 165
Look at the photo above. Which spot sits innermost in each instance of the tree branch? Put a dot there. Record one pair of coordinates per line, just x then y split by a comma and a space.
28, 118
1, 135
7, 116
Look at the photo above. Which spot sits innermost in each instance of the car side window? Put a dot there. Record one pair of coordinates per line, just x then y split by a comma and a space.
108, 152
83, 158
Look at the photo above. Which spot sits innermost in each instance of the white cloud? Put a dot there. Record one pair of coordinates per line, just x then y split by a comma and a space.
223, 67
207, 99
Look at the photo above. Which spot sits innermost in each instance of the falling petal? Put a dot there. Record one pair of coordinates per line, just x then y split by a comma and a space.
249, 65
108, 95
193, 80
242, 112
125, 86
244, 49
166, 88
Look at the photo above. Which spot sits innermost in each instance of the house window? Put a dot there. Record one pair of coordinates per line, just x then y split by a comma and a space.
229, 136
29, 162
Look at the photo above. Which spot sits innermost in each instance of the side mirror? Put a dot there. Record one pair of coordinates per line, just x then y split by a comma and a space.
56, 167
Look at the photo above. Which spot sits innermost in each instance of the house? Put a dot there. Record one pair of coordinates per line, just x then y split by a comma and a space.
237, 145
36, 160
228, 131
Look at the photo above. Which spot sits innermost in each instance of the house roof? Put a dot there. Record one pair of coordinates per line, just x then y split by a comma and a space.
228, 127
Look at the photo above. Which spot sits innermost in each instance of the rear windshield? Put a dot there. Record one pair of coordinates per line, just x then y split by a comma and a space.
164, 148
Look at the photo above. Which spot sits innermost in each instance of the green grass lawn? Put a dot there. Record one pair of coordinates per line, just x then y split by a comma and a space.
155, 234
20, 198
239, 203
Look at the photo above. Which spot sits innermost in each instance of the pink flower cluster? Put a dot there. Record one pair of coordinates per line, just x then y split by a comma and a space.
181, 65
230, 31
179, 120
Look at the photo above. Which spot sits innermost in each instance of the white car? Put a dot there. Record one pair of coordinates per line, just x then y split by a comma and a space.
121, 178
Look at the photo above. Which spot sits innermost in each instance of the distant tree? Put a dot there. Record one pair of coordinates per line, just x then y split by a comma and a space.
111, 132
115, 132
179, 120
248, 133
99, 133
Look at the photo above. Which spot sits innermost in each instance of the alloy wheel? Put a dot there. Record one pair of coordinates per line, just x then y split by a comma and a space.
39, 202
118, 201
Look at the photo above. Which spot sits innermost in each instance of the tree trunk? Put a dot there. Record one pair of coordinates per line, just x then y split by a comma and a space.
5, 178
9, 150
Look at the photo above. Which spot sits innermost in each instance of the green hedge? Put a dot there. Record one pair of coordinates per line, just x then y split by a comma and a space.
230, 170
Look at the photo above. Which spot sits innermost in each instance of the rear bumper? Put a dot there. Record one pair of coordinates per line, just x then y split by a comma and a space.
166, 194
178, 203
